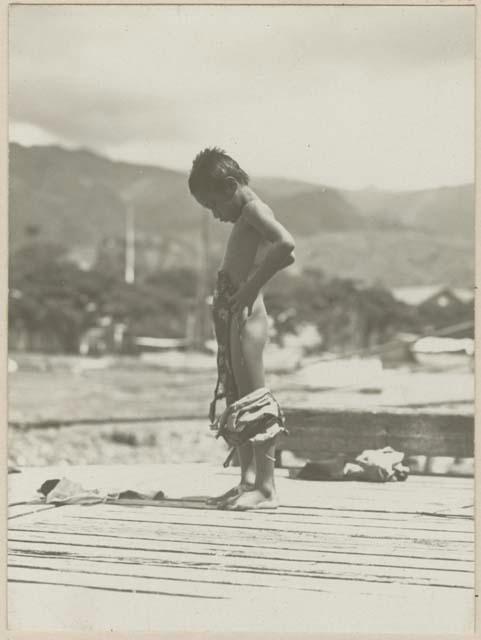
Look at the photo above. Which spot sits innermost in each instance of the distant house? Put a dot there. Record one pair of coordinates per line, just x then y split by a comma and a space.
106, 337
465, 295
434, 296
441, 307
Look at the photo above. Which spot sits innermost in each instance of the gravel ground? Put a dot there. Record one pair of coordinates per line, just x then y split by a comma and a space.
119, 395
126, 443
128, 402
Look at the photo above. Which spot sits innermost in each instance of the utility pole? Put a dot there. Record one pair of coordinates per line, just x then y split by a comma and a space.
130, 197
129, 243
201, 323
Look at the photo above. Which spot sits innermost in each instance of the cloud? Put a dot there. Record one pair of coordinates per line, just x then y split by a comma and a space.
341, 93
30, 134
98, 117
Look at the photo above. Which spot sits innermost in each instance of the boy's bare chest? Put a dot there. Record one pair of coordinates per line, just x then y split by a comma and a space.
241, 249
242, 238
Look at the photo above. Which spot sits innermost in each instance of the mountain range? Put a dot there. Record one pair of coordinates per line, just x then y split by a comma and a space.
78, 198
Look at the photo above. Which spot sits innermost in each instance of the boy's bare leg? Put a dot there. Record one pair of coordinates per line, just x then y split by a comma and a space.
248, 475
248, 339
263, 496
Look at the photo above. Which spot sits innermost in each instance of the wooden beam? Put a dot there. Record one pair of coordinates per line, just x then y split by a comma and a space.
316, 434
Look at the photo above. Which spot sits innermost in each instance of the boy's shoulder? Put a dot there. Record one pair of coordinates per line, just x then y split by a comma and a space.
255, 209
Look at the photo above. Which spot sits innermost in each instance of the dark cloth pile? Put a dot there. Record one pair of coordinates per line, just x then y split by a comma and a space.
372, 465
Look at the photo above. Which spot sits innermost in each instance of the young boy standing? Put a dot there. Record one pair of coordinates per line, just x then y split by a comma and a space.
258, 247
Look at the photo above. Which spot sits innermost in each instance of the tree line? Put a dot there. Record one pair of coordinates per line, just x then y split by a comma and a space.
52, 297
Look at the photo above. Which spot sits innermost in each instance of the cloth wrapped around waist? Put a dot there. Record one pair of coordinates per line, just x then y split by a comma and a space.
255, 417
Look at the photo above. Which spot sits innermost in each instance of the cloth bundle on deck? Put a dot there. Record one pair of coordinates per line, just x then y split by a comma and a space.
378, 465
372, 465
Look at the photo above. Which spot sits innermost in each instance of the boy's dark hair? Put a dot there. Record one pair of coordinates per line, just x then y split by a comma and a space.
210, 169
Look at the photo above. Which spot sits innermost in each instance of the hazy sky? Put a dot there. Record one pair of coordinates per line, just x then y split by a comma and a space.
347, 96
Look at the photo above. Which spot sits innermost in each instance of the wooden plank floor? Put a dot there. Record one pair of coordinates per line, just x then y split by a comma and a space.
338, 557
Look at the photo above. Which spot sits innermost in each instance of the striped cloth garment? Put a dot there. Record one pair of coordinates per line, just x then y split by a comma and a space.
256, 417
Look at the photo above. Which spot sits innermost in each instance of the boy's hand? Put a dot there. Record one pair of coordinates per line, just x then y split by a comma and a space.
244, 298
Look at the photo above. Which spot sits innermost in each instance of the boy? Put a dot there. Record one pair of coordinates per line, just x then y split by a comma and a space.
257, 248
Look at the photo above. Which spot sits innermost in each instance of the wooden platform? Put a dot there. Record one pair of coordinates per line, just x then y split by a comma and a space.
336, 557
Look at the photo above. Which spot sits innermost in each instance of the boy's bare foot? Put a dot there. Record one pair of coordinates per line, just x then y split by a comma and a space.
231, 494
253, 499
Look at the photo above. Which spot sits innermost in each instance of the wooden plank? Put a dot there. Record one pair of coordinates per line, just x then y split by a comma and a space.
21, 509
139, 533
366, 507
44, 578
311, 493
449, 519
466, 512
400, 545
224, 520
306, 522
203, 548
82, 552
310, 516
111, 583
411, 495
211, 579
399, 548
415, 527
377, 504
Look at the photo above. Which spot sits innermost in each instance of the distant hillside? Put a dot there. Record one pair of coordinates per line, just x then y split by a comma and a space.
445, 210
313, 210
394, 258
75, 198
76, 195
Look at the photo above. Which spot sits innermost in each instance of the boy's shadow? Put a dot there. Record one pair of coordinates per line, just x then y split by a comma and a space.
184, 502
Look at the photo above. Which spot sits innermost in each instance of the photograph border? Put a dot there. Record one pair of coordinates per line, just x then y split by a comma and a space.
65, 635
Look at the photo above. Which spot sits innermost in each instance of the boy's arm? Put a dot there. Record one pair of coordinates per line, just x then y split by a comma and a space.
278, 256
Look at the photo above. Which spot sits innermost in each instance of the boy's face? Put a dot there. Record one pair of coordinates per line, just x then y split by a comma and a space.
221, 202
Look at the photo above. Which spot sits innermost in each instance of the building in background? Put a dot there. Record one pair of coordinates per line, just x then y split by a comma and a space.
433, 296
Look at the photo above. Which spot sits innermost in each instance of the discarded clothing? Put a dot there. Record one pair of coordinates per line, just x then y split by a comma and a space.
379, 465
222, 316
13, 469
255, 417
47, 486
65, 491
329, 469
130, 494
